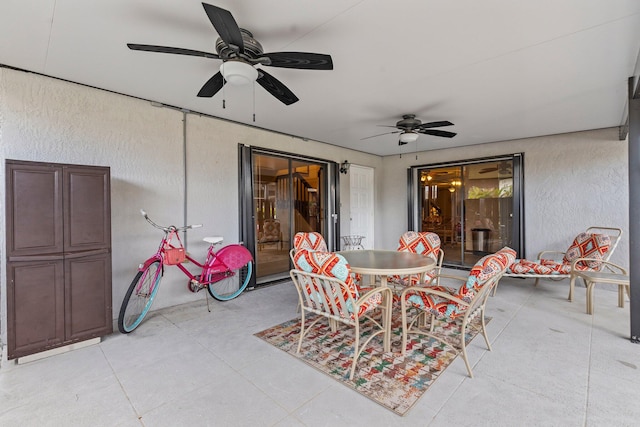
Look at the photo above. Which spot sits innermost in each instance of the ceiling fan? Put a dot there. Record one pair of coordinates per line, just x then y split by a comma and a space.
503, 168
409, 129
239, 53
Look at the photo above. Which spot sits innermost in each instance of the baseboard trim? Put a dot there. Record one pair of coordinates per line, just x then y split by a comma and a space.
56, 351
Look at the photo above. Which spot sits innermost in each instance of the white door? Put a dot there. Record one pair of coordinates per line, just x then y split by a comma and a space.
361, 210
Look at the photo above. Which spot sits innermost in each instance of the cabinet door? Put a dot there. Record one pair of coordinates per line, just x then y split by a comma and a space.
34, 209
35, 306
87, 210
87, 293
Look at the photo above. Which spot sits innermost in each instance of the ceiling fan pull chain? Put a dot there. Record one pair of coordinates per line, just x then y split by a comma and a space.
224, 100
254, 101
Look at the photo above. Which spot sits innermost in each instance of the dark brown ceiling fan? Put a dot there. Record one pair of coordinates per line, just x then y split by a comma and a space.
239, 53
409, 129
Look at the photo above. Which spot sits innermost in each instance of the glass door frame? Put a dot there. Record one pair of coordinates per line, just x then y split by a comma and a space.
247, 209
517, 230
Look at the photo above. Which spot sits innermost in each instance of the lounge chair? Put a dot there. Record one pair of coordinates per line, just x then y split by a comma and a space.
594, 245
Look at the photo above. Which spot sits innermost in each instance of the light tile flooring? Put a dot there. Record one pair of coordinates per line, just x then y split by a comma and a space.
551, 365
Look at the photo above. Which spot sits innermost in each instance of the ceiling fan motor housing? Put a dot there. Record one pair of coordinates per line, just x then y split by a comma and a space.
252, 48
408, 122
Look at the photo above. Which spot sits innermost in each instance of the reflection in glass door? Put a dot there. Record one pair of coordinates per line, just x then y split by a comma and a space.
471, 206
288, 196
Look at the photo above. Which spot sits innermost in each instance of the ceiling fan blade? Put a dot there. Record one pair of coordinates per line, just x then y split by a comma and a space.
435, 124
300, 60
434, 132
388, 133
212, 86
226, 26
175, 50
276, 88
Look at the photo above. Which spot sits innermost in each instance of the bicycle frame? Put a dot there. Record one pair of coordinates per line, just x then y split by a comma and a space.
213, 267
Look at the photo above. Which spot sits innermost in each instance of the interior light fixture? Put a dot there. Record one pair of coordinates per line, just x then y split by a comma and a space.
238, 73
344, 167
406, 137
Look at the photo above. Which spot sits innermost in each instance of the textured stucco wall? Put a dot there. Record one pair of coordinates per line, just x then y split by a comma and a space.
572, 181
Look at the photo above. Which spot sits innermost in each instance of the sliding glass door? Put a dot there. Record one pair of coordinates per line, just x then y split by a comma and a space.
474, 206
289, 194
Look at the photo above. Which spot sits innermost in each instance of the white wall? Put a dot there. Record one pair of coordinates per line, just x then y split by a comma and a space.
572, 181
47, 120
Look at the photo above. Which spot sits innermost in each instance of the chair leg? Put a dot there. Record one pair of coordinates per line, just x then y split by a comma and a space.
463, 347
484, 331
621, 291
590, 286
572, 284
301, 331
356, 350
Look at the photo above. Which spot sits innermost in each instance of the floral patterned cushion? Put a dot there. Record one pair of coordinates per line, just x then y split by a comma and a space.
482, 272
332, 265
425, 243
312, 241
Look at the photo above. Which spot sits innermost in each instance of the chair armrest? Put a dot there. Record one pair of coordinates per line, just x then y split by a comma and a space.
450, 276
550, 252
427, 290
435, 280
614, 268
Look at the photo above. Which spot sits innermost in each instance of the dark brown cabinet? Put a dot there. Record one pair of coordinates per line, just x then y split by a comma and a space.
58, 255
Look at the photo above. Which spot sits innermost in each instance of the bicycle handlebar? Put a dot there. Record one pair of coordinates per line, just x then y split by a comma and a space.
169, 228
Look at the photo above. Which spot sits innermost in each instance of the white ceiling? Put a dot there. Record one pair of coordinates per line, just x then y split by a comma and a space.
497, 69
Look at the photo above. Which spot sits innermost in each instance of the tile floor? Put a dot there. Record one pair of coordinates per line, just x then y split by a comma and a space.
551, 365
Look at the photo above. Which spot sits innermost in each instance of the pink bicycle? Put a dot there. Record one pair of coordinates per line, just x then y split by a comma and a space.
225, 273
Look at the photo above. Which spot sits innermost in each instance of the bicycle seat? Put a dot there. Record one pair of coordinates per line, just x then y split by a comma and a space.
213, 240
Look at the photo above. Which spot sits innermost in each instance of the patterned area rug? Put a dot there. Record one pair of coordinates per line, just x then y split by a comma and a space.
393, 381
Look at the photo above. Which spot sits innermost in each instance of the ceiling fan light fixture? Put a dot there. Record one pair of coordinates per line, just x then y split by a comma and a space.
238, 73
406, 137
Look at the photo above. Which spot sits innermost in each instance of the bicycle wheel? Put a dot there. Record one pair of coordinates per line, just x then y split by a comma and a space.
230, 283
139, 297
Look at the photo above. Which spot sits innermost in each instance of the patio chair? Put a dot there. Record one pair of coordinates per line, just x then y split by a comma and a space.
326, 288
594, 245
425, 243
458, 306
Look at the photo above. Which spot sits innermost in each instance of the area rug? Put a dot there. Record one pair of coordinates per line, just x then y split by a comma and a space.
390, 379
